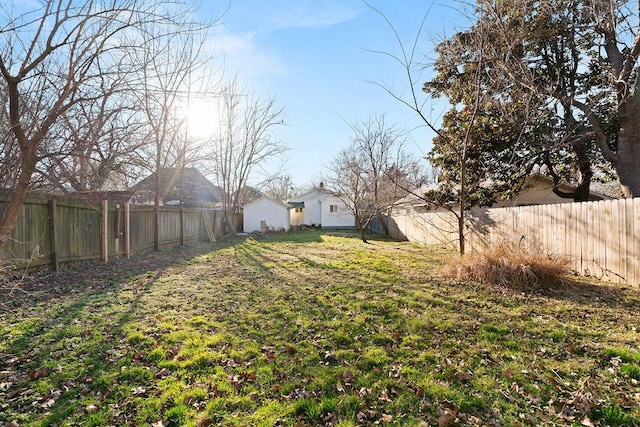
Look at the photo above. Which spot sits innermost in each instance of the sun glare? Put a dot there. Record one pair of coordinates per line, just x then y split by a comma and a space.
201, 119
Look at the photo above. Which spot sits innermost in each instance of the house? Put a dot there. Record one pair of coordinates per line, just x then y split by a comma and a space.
265, 214
537, 190
178, 186
320, 208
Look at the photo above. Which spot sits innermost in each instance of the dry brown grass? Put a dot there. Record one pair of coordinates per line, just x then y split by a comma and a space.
509, 265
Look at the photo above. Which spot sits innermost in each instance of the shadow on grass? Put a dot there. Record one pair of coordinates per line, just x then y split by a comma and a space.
67, 350
355, 234
313, 235
101, 355
575, 290
585, 292
89, 278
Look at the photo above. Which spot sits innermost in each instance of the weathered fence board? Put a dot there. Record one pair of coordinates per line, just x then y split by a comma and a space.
78, 231
601, 239
60, 231
31, 240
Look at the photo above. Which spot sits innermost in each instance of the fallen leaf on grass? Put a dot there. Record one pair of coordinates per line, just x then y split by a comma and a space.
330, 419
163, 373
384, 396
345, 380
206, 422
15, 393
138, 390
92, 407
38, 373
386, 418
463, 377
447, 417
366, 415
48, 404
241, 379
137, 357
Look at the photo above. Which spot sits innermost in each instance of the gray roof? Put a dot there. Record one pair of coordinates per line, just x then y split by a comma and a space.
187, 185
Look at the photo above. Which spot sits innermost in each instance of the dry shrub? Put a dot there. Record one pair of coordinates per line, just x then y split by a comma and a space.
509, 265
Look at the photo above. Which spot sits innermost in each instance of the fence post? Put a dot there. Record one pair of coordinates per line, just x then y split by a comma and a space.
127, 229
105, 231
182, 237
54, 240
117, 230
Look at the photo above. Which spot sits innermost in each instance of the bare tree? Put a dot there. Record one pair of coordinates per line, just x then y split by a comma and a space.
280, 187
97, 141
51, 60
372, 174
453, 194
170, 65
245, 143
9, 151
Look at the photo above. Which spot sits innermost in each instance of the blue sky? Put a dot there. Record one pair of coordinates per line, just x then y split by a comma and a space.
314, 57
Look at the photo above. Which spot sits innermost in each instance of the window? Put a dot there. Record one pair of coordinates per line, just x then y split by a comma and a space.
298, 210
333, 208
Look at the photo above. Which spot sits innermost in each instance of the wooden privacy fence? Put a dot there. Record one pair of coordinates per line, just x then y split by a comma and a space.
601, 239
51, 232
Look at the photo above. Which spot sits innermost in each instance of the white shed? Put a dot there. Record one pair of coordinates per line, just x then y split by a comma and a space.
265, 214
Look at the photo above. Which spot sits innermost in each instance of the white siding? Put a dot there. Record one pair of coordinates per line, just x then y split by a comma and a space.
297, 218
341, 218
274, 215
312, 214
317, 211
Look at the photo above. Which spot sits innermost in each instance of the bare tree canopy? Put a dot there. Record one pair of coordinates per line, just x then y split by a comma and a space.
454, 146
374, 172
280, 187
55, 58
245, 141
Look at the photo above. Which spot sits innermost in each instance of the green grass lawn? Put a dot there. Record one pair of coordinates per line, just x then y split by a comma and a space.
315, 329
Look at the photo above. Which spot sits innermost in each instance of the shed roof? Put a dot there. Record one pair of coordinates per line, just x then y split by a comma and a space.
265, 198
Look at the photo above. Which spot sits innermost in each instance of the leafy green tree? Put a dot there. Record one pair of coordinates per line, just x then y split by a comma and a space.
528, 130
581, 59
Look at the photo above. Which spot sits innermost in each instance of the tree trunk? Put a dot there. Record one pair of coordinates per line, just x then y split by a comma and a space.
156, 210
361, 230
232, 222
17, 195
628, 172
628, 151
382, 219
28, 160
461, 247
627, 156
581, 148
463, 201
